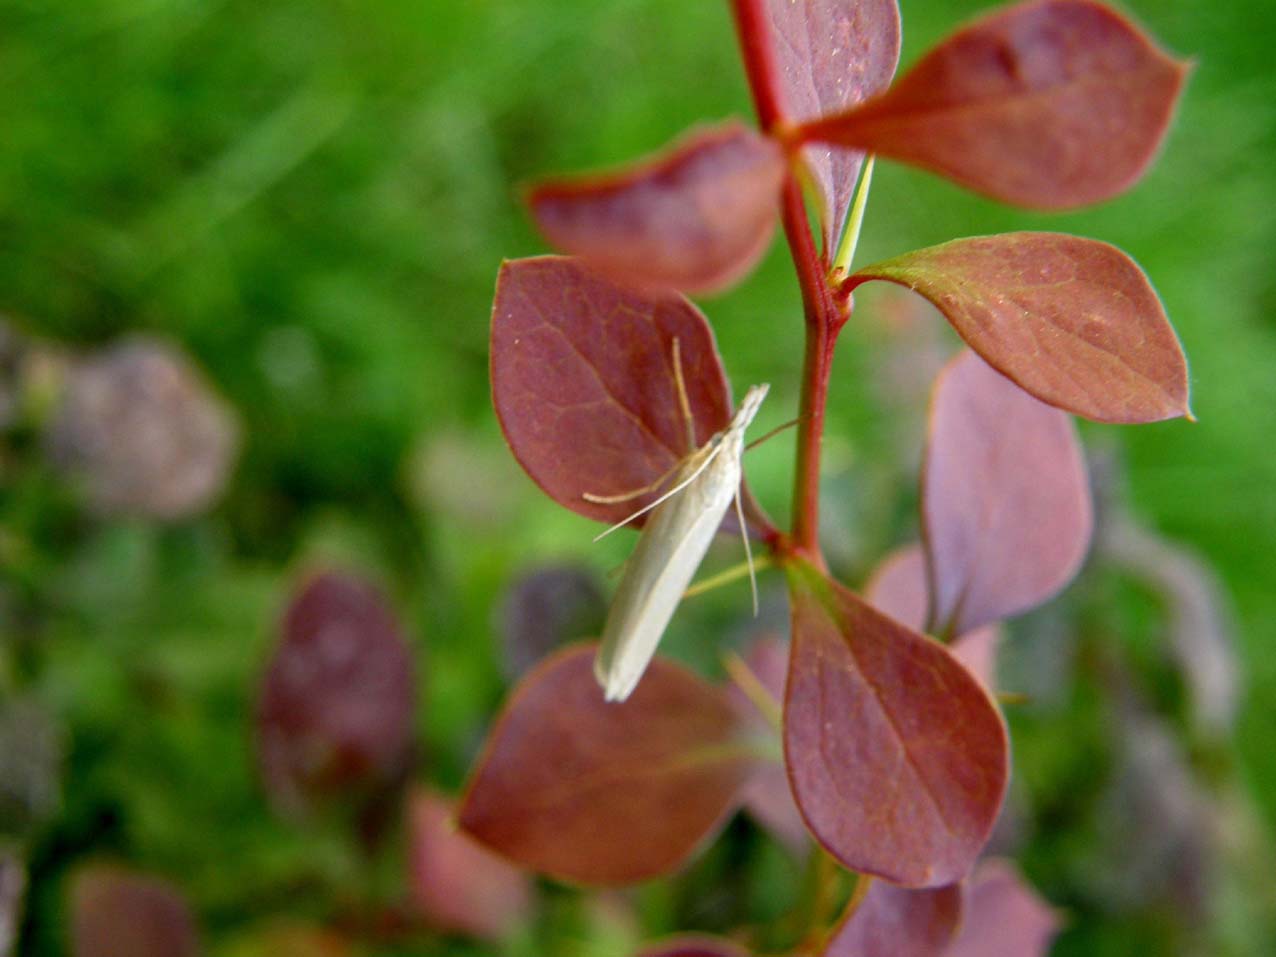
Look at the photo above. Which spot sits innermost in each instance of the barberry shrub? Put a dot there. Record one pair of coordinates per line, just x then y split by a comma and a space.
606, 378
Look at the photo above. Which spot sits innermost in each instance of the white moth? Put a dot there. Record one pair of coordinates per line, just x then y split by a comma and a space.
671, 547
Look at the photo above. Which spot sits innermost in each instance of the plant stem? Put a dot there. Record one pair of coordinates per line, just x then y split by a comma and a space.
825, 313
759, 60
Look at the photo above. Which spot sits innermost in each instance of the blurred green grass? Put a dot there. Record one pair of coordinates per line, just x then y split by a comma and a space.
313, 197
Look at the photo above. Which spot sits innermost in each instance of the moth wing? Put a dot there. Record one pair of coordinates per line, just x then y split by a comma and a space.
669, 551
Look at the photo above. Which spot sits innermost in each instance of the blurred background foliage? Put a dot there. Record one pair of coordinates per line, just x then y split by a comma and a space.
302, 205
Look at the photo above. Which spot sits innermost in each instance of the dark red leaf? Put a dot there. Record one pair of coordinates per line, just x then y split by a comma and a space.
767, 797
607, 794
1004, 916
833, 54
457, 884
696, 217
1005, 499
693, 945
897, 922
897, 757
1049, 104
1073, 321
114, 912
583, 381
335, 712
898, 587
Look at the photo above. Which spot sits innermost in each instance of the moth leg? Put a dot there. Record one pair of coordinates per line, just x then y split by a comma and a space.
713, 453
633, 493
683, 402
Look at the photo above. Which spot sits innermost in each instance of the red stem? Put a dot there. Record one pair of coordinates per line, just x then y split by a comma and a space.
759, 60
825, 313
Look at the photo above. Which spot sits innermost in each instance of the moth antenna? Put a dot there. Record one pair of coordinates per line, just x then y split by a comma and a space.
773, 433
748, 551
683, 402
713, 453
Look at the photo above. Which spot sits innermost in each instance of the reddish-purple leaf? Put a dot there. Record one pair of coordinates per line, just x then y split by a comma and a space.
583, 382
1049, 104
607, 794
1073, 321
897, 756
693, 945
115, 911
898, 922
767, 797
832, 54
335, 712
1004, 916
1005, 499
458, 885
696, 217
898, 587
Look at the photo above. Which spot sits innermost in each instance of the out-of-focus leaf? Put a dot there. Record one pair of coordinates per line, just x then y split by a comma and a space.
1005, 917
768, 798
693, 945
30, 766
832, 54
1200, 629
1049, 104
547, 607
1005, 499
583, 381
1073, 321
607, 794
897, 757
116, 912
335, 712
898, 922
458, 884
13, 883
898, 587
1157, 828
696, 217
143, 433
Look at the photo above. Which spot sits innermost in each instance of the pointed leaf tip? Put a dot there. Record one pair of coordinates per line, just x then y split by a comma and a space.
1072, 321
697, 217
897, 757
1048, 104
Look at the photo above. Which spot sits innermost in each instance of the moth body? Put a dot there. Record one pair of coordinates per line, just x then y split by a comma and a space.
669, 550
